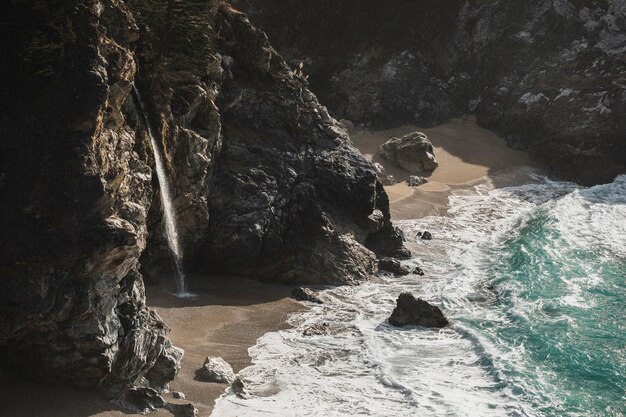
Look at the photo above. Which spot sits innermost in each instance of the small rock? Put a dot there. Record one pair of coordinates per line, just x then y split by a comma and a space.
427, 236
305, 294
394, 266
418, 271
141, 399
419, 234
410, 310
216, 369
415, 181
318, 330
182, 410
239, 388
178, 395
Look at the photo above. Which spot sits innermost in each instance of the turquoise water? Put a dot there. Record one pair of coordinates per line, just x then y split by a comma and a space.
533, 279
560, 285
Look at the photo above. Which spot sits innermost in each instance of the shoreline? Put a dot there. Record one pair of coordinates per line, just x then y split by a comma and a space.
230, 314
468, 155
225, 319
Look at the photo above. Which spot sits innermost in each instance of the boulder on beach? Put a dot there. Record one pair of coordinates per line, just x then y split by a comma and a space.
416, 181
426, 236
305, 294
412, 152
182, 410
216, 369
393, 265
415, 311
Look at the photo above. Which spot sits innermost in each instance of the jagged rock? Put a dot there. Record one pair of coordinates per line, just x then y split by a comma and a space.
141, 399
412, 152
216, 369
317, 330
242, 138
305, 294
166, 367
418, 271
182, 410
426, 236
178, 395
415, 181
543, 74
239, 388
394, 266
383, 177
412, 311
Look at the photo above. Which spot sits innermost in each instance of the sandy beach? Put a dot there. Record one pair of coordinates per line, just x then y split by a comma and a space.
226, 318
229, 314
467, 154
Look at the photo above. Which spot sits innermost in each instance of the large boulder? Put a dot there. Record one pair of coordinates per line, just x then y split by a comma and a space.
415, 311
412, 152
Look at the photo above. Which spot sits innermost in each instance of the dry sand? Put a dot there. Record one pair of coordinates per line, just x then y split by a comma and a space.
467, 154
230, 314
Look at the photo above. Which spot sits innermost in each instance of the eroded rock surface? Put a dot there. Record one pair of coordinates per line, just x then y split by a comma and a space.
412, 152
415, 311
265, 183
216, 369
548, 75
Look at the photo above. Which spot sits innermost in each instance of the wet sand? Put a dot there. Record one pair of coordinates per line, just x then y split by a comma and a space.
230, 313
226, 318
467, 154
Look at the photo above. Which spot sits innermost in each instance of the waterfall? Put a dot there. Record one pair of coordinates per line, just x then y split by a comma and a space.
171, 228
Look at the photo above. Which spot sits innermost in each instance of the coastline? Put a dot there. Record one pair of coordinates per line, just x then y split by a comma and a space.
230, 314
468, 155
225, 319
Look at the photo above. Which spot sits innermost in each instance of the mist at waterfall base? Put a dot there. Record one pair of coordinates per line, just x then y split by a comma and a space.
169, 216
533, 280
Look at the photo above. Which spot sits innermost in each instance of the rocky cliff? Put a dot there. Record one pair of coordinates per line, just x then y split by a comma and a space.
265, 182
549, 75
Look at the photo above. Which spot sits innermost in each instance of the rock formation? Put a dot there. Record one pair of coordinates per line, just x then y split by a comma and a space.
549, 75
216, 370
265, 183
305, 294
412, 152
415, 311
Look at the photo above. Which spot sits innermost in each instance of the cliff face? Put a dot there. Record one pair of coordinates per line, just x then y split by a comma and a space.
265, 182
550, 75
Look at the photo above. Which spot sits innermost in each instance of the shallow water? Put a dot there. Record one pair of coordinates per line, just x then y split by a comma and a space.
533, 280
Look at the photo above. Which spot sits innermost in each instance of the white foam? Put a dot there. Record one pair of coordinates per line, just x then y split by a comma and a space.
371, 369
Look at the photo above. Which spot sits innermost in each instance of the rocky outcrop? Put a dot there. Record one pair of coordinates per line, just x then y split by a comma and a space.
305, 294
76, 191
546, 74
394, 266
265, 183
412, 152
292, 199
415, 311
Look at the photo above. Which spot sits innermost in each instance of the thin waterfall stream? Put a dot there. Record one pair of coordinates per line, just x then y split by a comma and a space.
171, 226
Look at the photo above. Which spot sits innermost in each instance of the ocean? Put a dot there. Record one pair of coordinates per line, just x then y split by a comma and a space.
533, 280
